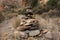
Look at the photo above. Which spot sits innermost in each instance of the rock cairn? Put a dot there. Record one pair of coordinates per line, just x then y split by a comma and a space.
28, 28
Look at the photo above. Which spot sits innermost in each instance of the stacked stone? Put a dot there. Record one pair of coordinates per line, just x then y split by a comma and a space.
29, 26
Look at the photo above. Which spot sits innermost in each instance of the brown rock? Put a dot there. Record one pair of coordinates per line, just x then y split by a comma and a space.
45, 31
21, 28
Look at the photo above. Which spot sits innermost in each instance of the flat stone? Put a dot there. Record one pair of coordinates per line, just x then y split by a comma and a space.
34, 32
45, 31
31, 21
21, 28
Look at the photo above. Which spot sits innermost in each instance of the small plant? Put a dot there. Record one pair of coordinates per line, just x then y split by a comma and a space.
16, 22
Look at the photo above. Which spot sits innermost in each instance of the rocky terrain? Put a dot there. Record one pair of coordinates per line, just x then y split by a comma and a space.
40, 23
17, 28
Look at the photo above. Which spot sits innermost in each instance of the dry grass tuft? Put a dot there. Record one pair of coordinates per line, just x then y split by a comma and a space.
15, 22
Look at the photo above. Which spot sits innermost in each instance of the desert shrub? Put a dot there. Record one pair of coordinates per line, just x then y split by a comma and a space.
54, 4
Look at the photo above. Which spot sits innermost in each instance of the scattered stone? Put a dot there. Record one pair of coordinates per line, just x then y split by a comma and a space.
34, 32
48, 35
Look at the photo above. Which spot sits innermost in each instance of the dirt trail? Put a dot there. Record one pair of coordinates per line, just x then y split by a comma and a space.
6, 28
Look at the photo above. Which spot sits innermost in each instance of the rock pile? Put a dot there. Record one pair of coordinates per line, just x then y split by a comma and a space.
28, 28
